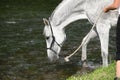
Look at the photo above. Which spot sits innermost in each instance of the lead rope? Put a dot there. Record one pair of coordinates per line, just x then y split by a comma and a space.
67, 57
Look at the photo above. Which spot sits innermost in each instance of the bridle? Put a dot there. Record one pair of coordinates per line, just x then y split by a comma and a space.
54, 40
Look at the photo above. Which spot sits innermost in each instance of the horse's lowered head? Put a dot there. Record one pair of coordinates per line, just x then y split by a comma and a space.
55, 37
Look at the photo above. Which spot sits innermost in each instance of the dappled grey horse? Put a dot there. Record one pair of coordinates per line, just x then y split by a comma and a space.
69, 11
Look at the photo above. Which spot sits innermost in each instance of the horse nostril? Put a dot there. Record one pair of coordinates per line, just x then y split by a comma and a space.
53, 58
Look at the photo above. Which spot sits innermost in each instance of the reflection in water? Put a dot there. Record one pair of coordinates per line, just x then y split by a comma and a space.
23, 48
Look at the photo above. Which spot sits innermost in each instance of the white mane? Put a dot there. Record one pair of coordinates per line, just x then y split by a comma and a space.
67, 12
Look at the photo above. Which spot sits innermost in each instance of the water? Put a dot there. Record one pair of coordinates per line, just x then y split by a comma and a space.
23, 48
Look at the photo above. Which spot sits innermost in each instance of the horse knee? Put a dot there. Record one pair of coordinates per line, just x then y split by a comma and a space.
104, 53
84, 41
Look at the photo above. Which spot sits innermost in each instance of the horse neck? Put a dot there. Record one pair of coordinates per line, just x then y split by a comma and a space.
68, 11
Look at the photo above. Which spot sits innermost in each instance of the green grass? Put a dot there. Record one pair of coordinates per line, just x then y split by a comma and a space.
103, 73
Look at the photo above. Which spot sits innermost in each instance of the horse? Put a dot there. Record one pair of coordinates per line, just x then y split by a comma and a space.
69, 11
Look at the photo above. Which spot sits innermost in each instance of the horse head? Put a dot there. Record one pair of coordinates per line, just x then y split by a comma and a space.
55, 37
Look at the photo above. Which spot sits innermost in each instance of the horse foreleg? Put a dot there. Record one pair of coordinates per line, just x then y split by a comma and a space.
85, 41
103, 32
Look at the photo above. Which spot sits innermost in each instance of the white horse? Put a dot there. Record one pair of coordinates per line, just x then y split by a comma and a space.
71, 10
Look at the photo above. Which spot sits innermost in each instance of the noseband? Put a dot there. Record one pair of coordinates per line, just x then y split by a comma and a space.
54, 40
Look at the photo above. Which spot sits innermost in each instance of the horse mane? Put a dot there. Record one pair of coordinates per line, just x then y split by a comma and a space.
70, 8
62, 11
56, 9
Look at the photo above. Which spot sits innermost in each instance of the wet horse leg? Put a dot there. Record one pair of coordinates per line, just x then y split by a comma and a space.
85, 41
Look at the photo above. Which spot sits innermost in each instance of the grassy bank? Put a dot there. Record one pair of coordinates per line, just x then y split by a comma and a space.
106, 73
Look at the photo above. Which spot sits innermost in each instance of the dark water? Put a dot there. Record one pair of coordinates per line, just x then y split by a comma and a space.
23, 48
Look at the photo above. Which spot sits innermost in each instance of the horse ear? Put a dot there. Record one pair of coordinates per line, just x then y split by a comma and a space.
46, 22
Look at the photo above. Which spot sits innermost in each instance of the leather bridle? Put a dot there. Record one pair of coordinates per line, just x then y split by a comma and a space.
53, 40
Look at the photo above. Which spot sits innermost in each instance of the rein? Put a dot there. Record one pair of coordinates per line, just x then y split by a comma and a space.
54, 40
67, 57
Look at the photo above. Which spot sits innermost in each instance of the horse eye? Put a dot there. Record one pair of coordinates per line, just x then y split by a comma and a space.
47, 37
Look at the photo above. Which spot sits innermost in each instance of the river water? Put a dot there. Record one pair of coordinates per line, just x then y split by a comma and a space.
23, 48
